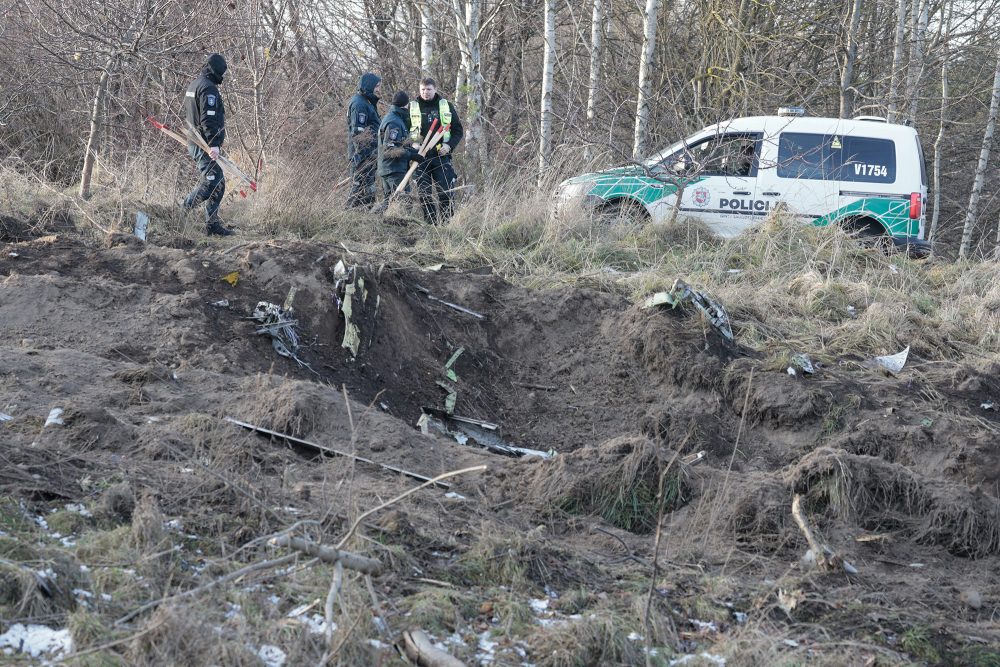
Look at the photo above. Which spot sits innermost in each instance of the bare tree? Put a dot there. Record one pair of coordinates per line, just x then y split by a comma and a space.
596, 57
645, 78
984, 158
850, 57
897, 61
548, 75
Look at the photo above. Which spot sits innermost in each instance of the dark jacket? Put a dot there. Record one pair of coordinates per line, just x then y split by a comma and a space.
430, 110
362, 119
394, 151
203, 107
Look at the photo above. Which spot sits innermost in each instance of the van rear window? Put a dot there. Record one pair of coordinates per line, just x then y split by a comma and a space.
836, 157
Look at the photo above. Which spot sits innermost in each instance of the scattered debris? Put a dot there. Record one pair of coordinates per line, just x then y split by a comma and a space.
4, 417
893, 362
329, 450
681, 292
141, 225
36, 640
989, 406
789, 600
232, 278
803, 363
224, 303
54, 418
696, 457
717, 660
13, 255
346, 285
448, 370
278, 324
434, 268
466, 430
426, 292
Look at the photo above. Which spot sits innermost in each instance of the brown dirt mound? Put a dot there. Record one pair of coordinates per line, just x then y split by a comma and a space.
880, 496
617, 480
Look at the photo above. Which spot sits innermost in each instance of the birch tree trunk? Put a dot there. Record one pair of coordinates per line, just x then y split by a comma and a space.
984, 158
462, 76
939, 141
548, 74
596, 57
897, 61
915, 71
847, 73
95, 123
645, 78
476, 146
426, 41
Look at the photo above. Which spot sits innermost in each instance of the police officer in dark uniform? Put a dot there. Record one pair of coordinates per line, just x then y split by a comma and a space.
204, 111
394, 151
435, 173
362, 128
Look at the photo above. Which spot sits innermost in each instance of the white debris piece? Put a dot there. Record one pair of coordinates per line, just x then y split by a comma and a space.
4, 417
54, 418
272, 656
705, 626
893, 362
487, 649
454, 496
36, 640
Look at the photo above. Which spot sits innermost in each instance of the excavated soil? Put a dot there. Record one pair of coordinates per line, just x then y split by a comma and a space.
899, 475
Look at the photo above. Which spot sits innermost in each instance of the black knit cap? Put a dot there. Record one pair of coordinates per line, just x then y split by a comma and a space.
400, 99
217, 64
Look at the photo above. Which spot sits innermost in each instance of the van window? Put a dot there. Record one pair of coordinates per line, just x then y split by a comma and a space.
867, 160
719, 155
836, 157
802, 155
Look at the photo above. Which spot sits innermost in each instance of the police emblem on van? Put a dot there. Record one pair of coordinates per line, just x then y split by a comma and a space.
701, 197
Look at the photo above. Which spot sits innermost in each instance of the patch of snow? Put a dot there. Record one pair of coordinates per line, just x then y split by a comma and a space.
487, 649
272, 656
173, 524
635, 636
539, 605
316, 624
741, 617
42, 523
704, 626
790, 642
79, 508
685, 659
232, 610
36, 640
376, 644
105, 597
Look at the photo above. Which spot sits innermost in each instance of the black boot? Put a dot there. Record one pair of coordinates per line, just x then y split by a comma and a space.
215, 228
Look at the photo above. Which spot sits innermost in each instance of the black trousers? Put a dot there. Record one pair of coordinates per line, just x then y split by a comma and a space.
435, 180
389, 184
211, 186
362, 180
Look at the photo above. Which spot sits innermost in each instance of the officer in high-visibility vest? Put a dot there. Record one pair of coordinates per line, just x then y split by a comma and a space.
435, 173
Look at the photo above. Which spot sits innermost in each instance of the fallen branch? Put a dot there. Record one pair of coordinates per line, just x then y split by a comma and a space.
800, 519
417, 647
336, 452
351, 561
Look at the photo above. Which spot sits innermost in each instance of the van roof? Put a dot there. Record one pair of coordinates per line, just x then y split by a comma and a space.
774, 124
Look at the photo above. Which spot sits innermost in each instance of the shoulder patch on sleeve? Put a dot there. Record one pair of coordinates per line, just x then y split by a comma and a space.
362, 118
393, 134
211, 100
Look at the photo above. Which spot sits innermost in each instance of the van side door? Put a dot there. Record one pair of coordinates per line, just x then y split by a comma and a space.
719, 177
800, 175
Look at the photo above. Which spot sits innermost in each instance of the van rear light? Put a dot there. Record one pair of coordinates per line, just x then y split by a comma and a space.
914, 205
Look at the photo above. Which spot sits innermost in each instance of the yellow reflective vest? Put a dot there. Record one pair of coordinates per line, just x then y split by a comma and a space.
416, 119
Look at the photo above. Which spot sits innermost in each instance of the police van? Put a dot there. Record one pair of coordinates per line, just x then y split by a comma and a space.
863, 173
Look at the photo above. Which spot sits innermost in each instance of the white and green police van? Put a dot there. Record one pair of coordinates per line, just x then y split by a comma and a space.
863, 173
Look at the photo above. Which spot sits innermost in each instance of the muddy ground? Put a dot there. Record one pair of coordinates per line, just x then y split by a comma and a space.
534, 561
